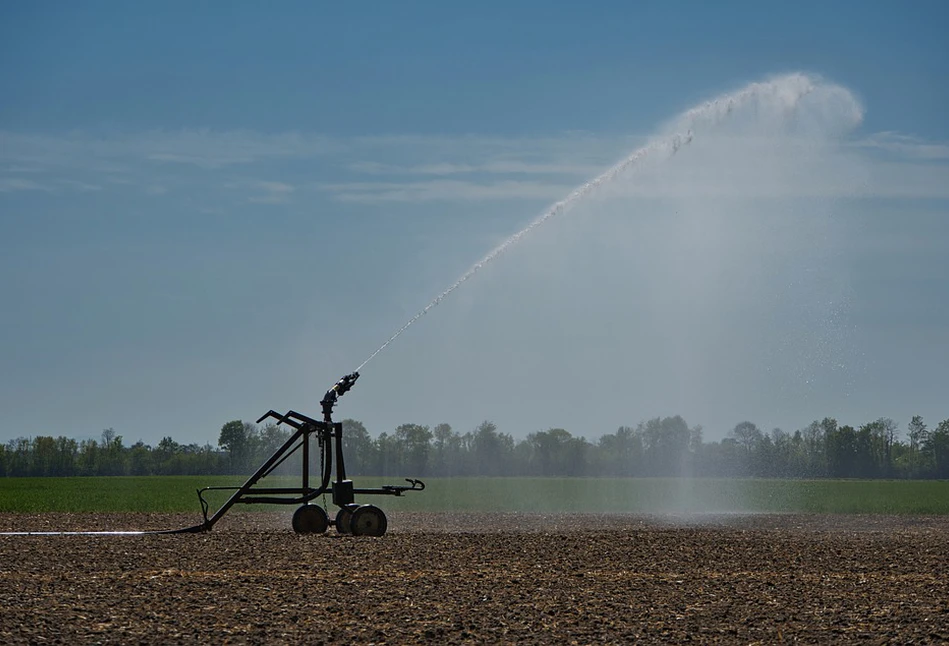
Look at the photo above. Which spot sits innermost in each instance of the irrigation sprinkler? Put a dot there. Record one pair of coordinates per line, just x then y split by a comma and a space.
310, 518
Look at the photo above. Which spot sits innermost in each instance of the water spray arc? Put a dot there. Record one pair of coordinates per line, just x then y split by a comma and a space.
669, 145
784, 91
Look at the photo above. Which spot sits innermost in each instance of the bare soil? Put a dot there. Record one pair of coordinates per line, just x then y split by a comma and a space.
479, 578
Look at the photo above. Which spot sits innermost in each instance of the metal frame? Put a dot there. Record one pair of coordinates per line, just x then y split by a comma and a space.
329, 434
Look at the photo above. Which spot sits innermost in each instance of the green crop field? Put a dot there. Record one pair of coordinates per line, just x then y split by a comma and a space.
545, 495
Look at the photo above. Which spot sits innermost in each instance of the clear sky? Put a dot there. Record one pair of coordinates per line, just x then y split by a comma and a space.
211, 209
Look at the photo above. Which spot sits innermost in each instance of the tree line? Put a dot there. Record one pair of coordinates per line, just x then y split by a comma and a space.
656, 447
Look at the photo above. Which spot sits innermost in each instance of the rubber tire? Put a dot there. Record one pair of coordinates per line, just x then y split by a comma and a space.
310, 519
344, 519
368, 520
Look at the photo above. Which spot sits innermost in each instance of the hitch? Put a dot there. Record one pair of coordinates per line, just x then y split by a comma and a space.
350, 518
417, 485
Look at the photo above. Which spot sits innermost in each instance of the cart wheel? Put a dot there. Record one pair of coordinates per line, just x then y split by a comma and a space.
344, 519
368, 520
310, 519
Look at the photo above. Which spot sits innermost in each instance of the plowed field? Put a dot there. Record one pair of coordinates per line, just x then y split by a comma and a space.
479, 578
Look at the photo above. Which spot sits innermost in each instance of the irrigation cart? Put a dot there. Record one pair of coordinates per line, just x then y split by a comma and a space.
310, 518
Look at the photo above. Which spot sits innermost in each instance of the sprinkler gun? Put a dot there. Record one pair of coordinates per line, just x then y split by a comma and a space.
338, 390
311, 518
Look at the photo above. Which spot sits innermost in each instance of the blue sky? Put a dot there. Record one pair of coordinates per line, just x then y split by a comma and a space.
212, 209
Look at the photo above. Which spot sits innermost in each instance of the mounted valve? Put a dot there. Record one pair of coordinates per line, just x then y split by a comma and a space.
339, 389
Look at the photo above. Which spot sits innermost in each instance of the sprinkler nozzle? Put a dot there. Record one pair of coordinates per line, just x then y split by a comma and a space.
347, 382
339, 389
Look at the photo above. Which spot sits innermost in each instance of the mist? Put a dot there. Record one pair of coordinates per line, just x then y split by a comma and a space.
708, 284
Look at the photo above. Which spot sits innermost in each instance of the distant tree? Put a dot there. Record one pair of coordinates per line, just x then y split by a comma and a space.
653, 451
442, 435
841, 451
620, 453
491, 450
695, 439
828, 426
444, 458
233, 439
112, 454
782, 456
749, 438
255, 451
388, 455
140, 460
918, 438
885, 432
358, 447
88, 458
270, 438
814, 446
864, 460
666, 444
748, 435
66, 451
167, 458
43, 459
414, 440
19, 457
578, 450
549, 451
196, 459
732, 458
938, 446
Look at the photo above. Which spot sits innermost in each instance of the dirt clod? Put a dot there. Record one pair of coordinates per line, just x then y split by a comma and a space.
479, 578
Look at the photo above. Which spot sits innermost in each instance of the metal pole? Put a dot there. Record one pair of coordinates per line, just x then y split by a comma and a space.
306, 460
